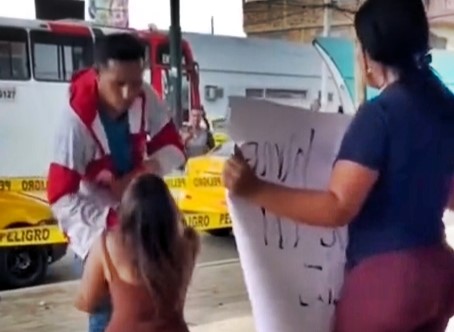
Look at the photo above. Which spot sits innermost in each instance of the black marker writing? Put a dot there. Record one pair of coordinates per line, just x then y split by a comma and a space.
330, 300
278, 162
303, 303
331, 242
304, 179
265, 226
315, 267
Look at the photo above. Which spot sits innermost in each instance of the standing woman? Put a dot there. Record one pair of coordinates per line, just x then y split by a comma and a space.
197, 139
391, 182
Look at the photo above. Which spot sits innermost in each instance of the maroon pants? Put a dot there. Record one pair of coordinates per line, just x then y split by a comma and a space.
406, 291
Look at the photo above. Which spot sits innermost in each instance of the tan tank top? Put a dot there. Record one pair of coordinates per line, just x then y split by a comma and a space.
133, 306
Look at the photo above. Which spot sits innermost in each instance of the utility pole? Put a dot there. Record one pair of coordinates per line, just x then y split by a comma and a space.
175, 62
326, 32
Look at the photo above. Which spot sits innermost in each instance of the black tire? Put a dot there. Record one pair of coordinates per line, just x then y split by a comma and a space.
23, 266
221, 232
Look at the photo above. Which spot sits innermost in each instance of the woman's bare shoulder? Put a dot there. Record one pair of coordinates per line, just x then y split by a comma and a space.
119, 263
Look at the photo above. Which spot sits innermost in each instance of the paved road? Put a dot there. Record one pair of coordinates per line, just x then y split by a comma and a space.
213, 249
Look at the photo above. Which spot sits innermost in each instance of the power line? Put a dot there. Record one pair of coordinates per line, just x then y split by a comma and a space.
284, 4
301, 10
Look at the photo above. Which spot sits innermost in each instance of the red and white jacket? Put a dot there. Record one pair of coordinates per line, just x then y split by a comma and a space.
83, 208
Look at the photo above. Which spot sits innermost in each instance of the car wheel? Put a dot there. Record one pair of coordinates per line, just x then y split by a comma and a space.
23, 266
221, 232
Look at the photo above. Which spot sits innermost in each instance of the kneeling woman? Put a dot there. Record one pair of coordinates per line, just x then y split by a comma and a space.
145, 263
391, 182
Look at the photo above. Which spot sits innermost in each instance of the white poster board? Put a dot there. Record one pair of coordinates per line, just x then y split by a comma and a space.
293, 273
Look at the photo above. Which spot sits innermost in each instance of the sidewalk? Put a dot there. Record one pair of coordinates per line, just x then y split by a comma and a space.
217, 301
241, 324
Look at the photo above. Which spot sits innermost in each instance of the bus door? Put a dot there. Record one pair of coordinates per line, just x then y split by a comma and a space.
54, 55
15, 90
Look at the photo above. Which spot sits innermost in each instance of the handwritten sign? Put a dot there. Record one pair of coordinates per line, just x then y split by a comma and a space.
293, 273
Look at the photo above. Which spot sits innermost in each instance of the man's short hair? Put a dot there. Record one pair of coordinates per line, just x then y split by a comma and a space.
120, 47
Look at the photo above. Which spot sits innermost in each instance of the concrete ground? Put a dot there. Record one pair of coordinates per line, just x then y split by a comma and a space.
213, 249
217, 301
239, 324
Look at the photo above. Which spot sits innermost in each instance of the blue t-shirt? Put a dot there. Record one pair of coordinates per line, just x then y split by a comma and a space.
119, 139
400, 134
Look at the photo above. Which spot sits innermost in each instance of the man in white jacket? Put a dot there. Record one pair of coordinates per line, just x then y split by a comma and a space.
113, 128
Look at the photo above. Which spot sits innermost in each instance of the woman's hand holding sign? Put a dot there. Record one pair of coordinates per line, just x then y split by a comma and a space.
238, 177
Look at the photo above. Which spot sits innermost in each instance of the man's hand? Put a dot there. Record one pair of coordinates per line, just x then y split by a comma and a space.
104, 178
118, 186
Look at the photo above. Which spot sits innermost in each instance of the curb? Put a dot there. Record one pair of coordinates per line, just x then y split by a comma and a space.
70, 283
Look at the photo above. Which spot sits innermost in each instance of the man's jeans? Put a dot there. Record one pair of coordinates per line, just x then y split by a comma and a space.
98, 321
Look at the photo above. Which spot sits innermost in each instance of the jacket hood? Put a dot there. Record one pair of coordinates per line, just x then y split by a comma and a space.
83, 93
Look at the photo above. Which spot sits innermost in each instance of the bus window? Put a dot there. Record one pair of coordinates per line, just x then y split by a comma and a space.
14, 64
56, 57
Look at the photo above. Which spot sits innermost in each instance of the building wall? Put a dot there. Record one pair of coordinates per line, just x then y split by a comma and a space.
302, 20
296, 20
276, 69
441, 16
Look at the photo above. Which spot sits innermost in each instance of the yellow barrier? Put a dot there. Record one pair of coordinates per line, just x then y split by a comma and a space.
45, 235
40, 183
23, 184
31, 236
175, 182
207, 221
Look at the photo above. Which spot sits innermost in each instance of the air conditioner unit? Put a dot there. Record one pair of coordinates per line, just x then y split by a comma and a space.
213, 92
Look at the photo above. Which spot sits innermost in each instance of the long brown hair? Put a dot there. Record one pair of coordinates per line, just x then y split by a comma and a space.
149, 227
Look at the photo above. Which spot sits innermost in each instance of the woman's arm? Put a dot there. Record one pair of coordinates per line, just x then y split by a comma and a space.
93, 288
360, 159
348, 189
